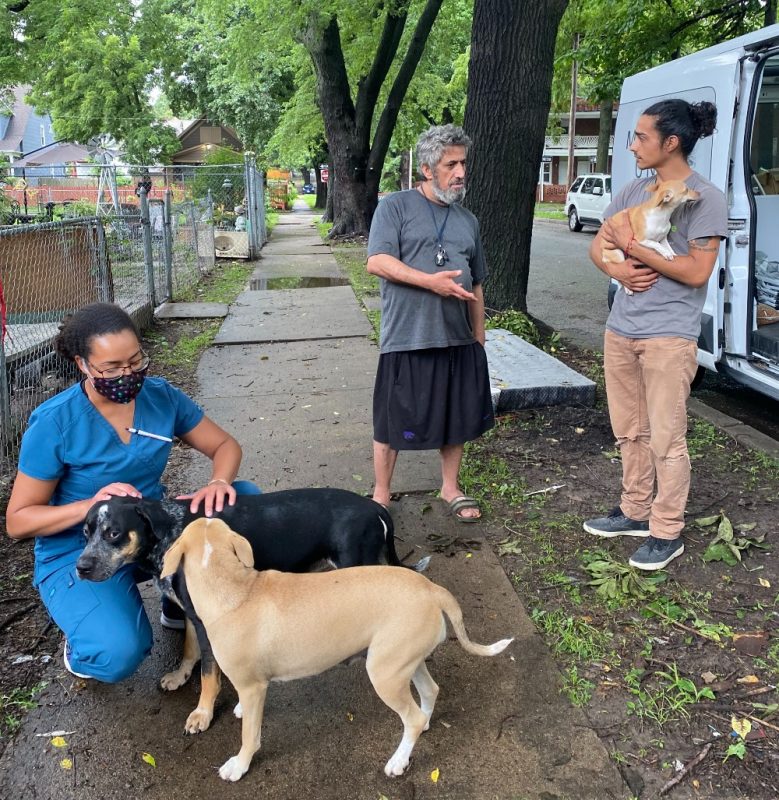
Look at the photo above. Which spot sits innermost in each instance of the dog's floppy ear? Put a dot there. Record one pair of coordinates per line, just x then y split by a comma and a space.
243, 550
172, 559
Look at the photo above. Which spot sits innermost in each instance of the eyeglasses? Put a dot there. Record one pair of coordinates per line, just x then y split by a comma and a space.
139, 364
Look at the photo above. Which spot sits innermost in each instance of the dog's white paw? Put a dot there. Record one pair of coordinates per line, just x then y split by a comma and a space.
232, 769
176, 679
238, 711
396, 766
198, 721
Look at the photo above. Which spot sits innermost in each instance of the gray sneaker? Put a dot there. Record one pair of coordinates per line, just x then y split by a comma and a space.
656, 553
617, 524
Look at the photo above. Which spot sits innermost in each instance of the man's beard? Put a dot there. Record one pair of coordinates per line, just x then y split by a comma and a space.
449, 195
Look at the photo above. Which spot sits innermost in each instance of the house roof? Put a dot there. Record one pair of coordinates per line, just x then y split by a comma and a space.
17, 122
65, 153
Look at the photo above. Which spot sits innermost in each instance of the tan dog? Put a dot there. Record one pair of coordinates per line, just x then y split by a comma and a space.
270, 625
651, 221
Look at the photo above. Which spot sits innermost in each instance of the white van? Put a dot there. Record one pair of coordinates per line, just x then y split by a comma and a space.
741, 77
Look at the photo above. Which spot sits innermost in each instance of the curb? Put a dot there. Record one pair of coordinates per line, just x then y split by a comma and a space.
741, 433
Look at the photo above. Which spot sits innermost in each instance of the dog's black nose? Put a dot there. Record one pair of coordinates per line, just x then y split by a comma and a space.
85, 565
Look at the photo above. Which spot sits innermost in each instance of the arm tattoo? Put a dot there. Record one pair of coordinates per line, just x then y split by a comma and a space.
706, 244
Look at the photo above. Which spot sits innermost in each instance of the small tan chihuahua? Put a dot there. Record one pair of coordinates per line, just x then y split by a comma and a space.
651, 221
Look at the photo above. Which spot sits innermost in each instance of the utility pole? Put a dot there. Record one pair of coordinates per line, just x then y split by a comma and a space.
572, 113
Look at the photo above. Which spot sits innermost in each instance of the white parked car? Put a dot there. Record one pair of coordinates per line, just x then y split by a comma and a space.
587, 199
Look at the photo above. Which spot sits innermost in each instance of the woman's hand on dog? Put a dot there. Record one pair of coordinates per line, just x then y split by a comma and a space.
213, 497
115, 490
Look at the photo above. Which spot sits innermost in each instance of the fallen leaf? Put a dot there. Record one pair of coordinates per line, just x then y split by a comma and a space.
578, 430
708, 677
59, 741
149, 759
66, 763
748, 679
350, 716
704, 522
763, 582
357, 477
469, 555
435, 774
751, 643
741, 726
696, 784
445, 724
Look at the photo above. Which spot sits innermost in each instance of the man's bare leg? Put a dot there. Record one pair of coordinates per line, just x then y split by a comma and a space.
451, 457
384, 458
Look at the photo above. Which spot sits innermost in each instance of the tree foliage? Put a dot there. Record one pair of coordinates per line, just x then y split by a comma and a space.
621, 37
92, 65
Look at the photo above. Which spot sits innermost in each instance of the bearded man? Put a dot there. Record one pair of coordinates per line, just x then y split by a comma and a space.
432, 388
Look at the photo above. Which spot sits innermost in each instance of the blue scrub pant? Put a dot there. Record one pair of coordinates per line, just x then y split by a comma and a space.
106, 627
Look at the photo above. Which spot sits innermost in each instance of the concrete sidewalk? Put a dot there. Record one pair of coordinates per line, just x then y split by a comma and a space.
291, 376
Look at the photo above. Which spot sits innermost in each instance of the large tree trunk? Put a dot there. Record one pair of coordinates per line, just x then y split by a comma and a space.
604, 136
356, 165
770, 13
509, 92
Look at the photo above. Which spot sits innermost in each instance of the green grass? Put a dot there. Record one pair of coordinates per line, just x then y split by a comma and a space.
311, 200
227, 282
550, 211
351, 260
324, 228
14, 704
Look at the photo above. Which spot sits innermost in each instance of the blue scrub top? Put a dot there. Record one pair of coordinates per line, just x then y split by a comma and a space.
70, 441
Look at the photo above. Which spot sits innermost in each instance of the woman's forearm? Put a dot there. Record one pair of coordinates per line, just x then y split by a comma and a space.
45, 520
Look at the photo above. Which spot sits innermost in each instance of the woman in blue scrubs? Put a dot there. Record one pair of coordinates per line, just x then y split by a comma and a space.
79, 449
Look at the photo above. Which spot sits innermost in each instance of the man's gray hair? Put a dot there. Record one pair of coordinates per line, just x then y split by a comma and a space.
432, 143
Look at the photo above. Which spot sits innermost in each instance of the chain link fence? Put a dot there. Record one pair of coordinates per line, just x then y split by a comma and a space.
138, 257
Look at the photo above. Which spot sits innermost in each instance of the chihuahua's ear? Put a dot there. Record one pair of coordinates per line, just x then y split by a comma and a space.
668, 196
652, 187
172, 559
243, 550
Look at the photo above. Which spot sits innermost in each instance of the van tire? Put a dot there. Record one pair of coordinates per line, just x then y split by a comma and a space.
698, 379
573, 221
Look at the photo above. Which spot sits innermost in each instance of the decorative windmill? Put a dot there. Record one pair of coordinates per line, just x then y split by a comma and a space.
102, 147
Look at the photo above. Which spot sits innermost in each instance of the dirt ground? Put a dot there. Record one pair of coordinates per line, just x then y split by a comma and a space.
663, 670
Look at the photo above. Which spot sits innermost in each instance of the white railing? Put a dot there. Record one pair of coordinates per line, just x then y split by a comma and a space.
580, 142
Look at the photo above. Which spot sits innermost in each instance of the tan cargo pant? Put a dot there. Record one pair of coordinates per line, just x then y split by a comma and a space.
647, 386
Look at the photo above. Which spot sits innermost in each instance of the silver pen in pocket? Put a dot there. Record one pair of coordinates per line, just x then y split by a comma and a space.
139, 432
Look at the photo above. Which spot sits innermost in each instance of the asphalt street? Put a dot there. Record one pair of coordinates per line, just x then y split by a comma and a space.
565, 290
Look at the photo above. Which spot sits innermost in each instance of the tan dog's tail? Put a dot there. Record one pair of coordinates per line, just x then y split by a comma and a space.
452, 609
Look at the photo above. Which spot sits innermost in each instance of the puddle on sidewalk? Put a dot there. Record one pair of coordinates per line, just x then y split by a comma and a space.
265, 284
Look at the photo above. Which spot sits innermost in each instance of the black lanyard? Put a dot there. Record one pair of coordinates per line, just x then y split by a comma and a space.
439, 232
440, 257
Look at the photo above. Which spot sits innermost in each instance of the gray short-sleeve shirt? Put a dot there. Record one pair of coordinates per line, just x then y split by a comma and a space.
404, 226
669, 308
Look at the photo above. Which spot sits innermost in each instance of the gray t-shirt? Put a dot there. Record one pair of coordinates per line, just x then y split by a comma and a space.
403, 227
669, 308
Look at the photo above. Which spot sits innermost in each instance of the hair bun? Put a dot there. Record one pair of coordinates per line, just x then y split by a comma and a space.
704, 118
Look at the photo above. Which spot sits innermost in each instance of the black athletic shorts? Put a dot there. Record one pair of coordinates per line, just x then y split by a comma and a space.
425, 399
